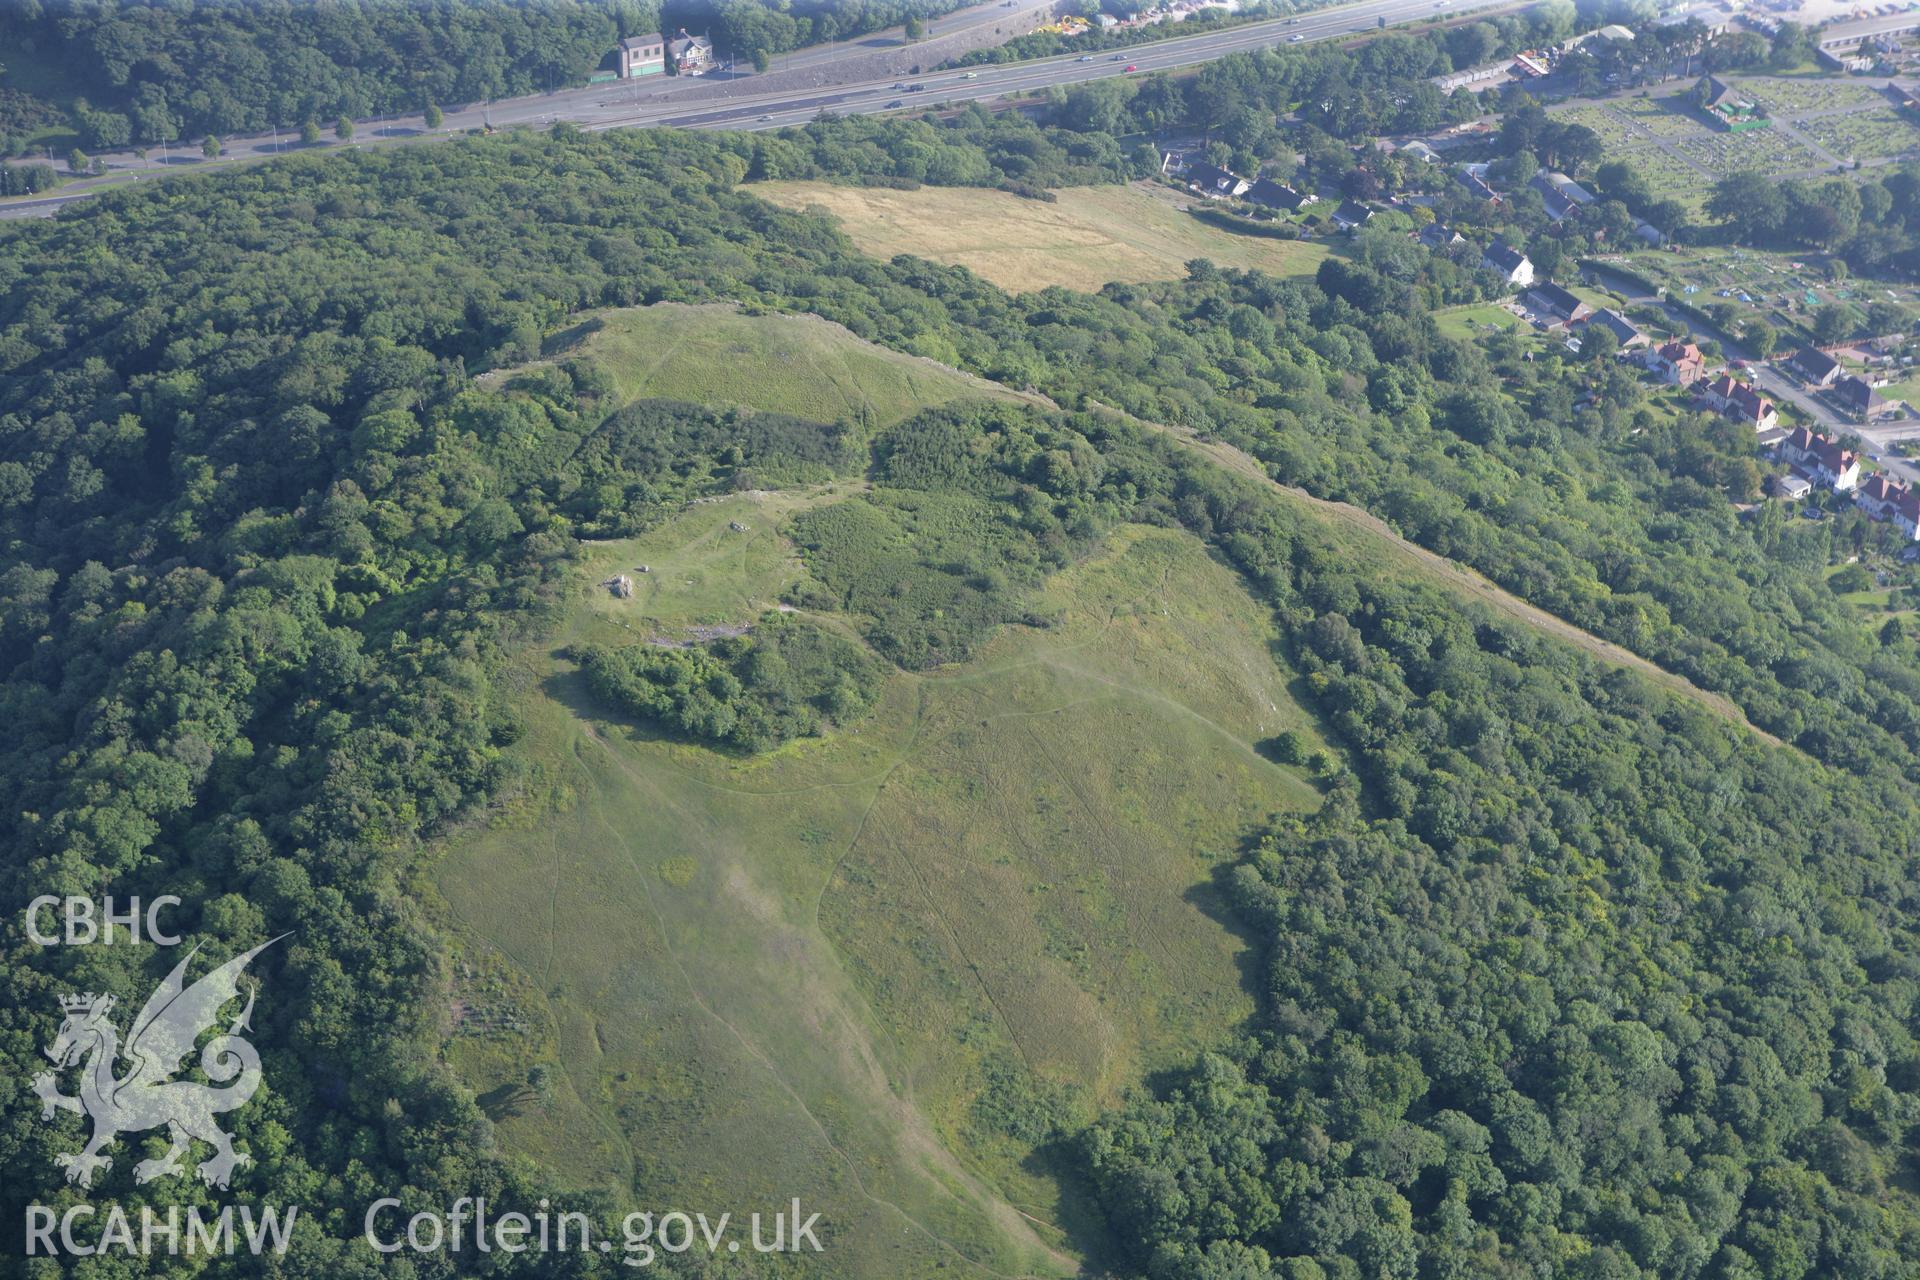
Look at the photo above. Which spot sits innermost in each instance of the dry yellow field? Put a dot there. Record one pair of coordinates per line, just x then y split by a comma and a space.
1089, 237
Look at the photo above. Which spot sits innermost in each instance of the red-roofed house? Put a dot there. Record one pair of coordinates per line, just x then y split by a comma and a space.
1884, 498
1906, 515
1878, 495
1679, 363
1822, 459
1738, 400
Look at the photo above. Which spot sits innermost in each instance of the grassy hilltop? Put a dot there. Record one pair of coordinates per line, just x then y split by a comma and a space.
862, 964
885, 963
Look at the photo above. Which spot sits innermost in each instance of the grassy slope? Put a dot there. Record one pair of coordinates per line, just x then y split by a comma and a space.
791, 975
785, 976
1373, 538
1091, 236
802, 365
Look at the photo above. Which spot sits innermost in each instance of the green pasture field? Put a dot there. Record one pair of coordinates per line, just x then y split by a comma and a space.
1085, 238
1471, 321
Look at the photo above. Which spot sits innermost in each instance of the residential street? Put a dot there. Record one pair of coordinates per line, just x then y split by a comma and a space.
1781, 385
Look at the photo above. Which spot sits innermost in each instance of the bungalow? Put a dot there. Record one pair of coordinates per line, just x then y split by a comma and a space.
641, 56
1560, 303
1880, 495
1858, 397
1471, 76
1822, 459
1815, 367
1215, 184
1679, 364
1352, 214
1626, 334
1740, 402
1437, 235
1512, 265
1420, 151
1278, 195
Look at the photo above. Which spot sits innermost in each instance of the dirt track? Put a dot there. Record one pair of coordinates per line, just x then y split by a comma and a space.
1468, 582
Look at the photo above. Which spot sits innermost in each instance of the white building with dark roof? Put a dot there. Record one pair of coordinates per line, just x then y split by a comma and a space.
1513, 266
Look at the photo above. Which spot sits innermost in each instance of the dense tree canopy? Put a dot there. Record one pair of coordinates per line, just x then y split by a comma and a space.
147, 71
1566, 978
151, 72
788, 679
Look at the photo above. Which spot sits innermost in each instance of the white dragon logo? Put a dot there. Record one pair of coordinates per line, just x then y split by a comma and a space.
147, 1097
